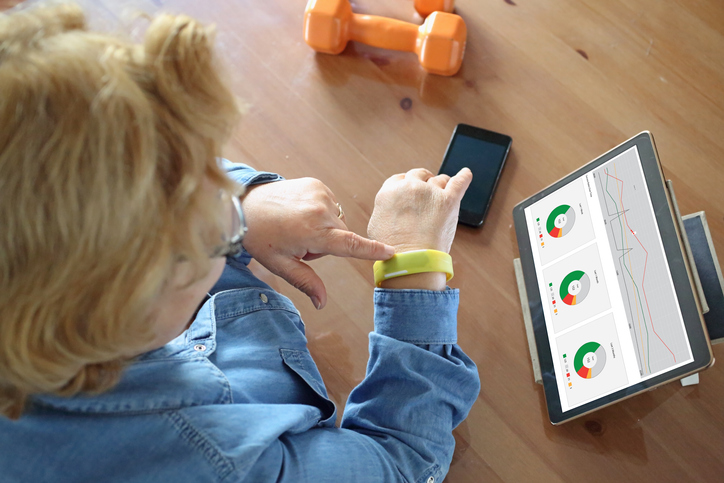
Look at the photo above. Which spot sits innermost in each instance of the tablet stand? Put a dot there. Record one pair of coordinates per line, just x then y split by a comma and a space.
705, 270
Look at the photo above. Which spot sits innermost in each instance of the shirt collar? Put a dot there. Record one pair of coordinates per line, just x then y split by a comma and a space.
171, 377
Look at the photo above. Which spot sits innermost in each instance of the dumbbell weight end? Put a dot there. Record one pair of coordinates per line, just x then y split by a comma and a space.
426, 7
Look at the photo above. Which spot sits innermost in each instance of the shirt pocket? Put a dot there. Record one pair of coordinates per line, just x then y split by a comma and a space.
302, 364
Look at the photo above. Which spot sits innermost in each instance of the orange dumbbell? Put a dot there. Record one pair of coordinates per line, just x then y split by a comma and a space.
426, 7
439, 42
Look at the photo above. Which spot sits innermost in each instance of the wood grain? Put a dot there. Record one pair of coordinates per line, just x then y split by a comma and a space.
568, 80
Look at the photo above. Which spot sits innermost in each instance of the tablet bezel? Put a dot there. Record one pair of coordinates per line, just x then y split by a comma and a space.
678, 266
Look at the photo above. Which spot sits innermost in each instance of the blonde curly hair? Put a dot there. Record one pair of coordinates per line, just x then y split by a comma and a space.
104, 145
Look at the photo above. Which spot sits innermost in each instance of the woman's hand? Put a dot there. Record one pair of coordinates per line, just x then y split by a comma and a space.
295, 220
418, 210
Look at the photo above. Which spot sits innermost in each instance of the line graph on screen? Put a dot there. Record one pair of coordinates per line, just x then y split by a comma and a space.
640, 268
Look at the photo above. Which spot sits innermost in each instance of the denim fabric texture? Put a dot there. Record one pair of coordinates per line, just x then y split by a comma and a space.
237, 397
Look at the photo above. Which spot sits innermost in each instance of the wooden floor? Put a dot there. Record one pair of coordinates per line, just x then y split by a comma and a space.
568, 80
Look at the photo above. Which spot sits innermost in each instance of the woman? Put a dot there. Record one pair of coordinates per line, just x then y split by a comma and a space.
135, 344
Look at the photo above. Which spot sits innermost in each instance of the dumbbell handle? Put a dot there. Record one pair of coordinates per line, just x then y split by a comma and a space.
383, 32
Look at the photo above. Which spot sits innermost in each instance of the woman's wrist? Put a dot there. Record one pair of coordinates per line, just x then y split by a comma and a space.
417, 281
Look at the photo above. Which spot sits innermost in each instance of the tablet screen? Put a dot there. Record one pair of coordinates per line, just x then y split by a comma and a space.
610, 307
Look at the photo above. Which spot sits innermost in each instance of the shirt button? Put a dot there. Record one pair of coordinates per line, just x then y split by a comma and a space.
431, 479
264, 298
199, 347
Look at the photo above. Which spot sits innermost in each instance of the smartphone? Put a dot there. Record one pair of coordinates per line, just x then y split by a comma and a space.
484, 152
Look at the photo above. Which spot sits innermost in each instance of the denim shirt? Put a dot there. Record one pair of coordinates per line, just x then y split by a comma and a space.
237, 397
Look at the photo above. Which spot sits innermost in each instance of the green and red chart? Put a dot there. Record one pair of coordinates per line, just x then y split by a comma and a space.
590, 360
560, 221
574, 287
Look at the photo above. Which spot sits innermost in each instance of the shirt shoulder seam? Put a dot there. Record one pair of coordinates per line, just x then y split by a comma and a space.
201, 442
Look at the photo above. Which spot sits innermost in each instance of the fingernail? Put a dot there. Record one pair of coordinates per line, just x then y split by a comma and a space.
317, 303
389, 250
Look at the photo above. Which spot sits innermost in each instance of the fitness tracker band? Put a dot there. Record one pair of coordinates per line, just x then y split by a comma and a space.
416, 261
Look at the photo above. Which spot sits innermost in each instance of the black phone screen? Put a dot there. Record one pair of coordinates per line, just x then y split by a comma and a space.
484, 152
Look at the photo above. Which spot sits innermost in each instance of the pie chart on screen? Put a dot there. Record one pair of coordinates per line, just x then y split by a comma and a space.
574, 287
590, 360
561, 220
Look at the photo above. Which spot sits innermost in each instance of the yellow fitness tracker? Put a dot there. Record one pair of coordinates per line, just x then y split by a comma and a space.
417, 261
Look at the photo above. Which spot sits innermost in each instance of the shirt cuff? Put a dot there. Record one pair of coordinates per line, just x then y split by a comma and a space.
417, 316
246, 175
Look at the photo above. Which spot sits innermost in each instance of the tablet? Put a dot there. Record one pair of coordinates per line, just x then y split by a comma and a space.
611, 296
